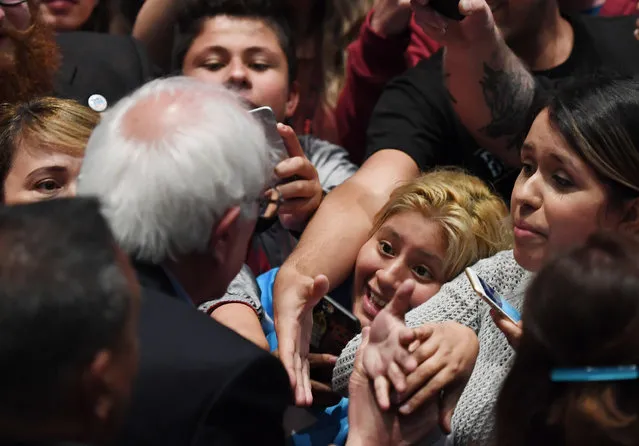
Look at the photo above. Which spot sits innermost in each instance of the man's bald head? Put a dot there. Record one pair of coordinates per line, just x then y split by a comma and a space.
170, 160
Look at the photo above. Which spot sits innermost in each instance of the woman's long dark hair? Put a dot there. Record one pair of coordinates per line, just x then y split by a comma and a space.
599, 118
581, 310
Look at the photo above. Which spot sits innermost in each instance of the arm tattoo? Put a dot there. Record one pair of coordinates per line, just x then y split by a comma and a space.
509, 96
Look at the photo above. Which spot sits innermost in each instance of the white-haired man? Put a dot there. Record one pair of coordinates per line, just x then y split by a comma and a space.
181, 168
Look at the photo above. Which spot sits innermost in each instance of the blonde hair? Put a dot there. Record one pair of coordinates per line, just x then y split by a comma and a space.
473, 218
58, 125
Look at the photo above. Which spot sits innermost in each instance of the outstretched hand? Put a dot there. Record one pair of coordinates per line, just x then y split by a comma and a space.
369, 424
387, 359
293, 310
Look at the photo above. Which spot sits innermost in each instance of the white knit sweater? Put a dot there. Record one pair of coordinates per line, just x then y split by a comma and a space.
473, 421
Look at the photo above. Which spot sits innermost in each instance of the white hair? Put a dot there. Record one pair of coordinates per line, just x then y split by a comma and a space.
169, 160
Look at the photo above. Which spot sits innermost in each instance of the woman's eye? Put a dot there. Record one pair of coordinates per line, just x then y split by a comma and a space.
385, 248
527, 168
47, 186
561, 182
422, 272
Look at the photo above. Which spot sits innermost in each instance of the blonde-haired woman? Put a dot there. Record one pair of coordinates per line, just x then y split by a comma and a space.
42, 144
429, 230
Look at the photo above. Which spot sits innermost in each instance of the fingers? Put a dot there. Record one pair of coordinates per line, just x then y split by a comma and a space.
319, 289
511, 330
403, 357
440, 379
400, 304
306, 390
286, 353
397, 377
297, 166
299, 189
382, 390
424, 332
447, 406
420, 384
291, 142
321, 359
300, 392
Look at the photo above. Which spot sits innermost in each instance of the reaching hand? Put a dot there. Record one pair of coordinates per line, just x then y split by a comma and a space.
369, 424
391, 17
294, 299
322, 364
303, 195
387, 356
478, 23
511, 330
446, 357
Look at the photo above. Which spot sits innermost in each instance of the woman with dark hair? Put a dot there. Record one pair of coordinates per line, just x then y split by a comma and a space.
575, 381
580, 175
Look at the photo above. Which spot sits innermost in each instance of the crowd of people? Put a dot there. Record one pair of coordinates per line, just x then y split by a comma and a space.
236, 222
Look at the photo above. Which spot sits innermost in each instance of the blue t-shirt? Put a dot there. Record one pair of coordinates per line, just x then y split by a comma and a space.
332, 422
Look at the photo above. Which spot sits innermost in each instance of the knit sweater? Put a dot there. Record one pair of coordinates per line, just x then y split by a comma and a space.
473, 420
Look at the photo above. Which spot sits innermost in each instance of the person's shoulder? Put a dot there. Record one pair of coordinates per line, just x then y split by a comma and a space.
423, 83
596, 22
171, 330
612, 39
613, 32
86, 42
425, 73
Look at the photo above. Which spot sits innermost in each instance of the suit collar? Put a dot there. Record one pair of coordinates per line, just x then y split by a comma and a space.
67, 72
156, 277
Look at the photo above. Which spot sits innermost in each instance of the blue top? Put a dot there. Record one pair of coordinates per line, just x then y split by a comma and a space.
332, 422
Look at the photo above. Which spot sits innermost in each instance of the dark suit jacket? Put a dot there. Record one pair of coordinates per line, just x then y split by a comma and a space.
94, 63
200, 383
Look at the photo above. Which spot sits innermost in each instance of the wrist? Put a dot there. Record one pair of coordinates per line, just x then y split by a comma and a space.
384, 26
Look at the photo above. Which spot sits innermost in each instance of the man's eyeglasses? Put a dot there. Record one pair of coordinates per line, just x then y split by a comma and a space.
269, 203
12, 2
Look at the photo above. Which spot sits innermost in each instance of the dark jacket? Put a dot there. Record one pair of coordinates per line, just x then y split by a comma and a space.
94, 63
200, 383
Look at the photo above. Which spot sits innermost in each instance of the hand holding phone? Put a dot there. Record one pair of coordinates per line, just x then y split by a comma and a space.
447, 8
333, 327
268, 120
491, 297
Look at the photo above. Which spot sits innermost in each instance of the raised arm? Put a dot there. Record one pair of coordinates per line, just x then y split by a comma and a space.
490, 88
329, 246
154, 28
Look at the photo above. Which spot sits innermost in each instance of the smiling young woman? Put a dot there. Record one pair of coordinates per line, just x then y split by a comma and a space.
580, 175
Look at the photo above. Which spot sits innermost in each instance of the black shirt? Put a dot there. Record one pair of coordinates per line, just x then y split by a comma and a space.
414, 114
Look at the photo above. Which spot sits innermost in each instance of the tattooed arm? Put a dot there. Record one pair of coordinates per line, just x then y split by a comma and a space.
490, 89
493, 94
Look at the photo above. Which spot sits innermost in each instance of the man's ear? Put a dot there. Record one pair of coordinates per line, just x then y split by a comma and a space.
97, 385
223, 237
630, 221
293, 99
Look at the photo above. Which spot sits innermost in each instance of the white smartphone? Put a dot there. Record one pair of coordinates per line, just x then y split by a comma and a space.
266, 116
491, 297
